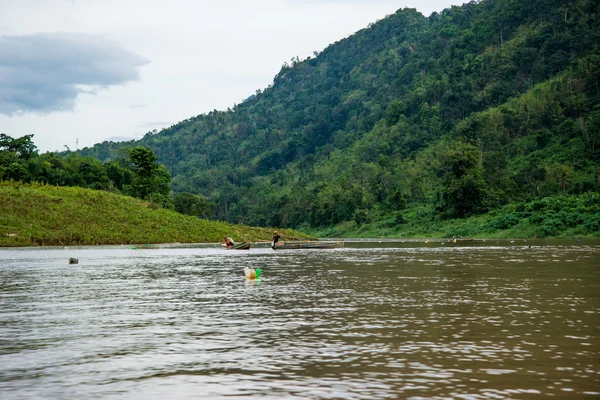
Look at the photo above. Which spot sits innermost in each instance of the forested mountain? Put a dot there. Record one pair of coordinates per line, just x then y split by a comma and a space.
456, 114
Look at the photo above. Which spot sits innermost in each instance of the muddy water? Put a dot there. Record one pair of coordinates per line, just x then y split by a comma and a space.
368, 321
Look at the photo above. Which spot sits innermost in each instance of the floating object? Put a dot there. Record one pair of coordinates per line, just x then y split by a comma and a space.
443, 243
454, 241
252, 273
308, 245
427, 242
73, 260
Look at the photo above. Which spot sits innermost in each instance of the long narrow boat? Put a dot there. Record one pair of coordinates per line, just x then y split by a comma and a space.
308, 245
241, 246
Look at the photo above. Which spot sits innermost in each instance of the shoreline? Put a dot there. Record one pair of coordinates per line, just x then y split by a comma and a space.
354, 243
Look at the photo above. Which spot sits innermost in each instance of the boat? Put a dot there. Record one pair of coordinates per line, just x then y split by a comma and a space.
241, 246
310, 244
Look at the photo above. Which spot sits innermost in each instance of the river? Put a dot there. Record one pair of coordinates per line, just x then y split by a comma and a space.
372, 320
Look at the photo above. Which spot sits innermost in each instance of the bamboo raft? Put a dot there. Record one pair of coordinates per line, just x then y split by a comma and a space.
308, 245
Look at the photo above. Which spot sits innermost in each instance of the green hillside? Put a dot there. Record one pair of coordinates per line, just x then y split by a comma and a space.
35, 214
479, 107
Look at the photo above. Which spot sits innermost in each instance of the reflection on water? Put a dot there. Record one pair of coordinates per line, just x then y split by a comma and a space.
469, 321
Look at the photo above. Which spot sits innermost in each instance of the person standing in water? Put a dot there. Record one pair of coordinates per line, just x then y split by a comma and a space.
276, 237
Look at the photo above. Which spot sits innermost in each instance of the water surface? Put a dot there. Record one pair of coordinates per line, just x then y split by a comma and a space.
372, 320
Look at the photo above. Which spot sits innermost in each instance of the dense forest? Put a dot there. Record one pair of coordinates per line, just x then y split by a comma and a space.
489, 105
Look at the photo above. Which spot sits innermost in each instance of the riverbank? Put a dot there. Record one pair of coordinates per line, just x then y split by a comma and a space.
44, 215
564, 216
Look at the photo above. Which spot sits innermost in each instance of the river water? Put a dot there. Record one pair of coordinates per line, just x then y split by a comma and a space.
485, 320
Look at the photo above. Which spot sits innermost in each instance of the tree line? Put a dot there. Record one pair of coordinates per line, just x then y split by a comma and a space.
134, 173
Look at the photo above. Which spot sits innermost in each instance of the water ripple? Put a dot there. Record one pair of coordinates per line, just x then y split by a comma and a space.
480, 322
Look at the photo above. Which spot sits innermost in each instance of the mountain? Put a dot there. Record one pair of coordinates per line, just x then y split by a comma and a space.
457, 114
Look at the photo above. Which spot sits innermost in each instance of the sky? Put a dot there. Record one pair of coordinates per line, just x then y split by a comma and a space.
78, 72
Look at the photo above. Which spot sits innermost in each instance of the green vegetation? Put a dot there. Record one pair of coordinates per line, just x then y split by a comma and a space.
435, 125
39, 214
564, 216
134, 173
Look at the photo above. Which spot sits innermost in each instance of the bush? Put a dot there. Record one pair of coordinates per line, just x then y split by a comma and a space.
361, 217
536, 218
504, 221
551, 227
399, 219
394, 220
592, 223
465, 229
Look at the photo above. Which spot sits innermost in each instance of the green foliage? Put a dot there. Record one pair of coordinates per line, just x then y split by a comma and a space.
22, 147
504, 221
118, 174
394, 111
15, 172
361, 217
191, 204
463, 191
559, 216
150, 180
144, 161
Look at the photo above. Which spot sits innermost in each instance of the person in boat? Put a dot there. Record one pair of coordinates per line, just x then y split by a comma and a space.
229, 242
276, 237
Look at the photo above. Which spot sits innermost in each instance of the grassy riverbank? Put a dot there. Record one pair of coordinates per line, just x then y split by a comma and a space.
565, 216
35, 214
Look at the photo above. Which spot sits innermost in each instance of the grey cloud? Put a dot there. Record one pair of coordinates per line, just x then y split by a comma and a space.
45, 72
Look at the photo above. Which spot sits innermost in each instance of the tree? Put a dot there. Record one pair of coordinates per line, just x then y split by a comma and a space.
118, 174
562, 174
394, 112
16, 172
144, 161
150, 180
464, 190
23, 147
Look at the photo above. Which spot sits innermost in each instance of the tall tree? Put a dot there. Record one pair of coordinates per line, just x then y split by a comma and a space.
150, 180
464, 190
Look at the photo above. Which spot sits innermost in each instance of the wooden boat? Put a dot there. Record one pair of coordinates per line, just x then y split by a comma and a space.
241, 246
308, 245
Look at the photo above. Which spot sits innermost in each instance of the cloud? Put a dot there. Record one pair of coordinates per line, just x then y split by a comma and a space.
45, 72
